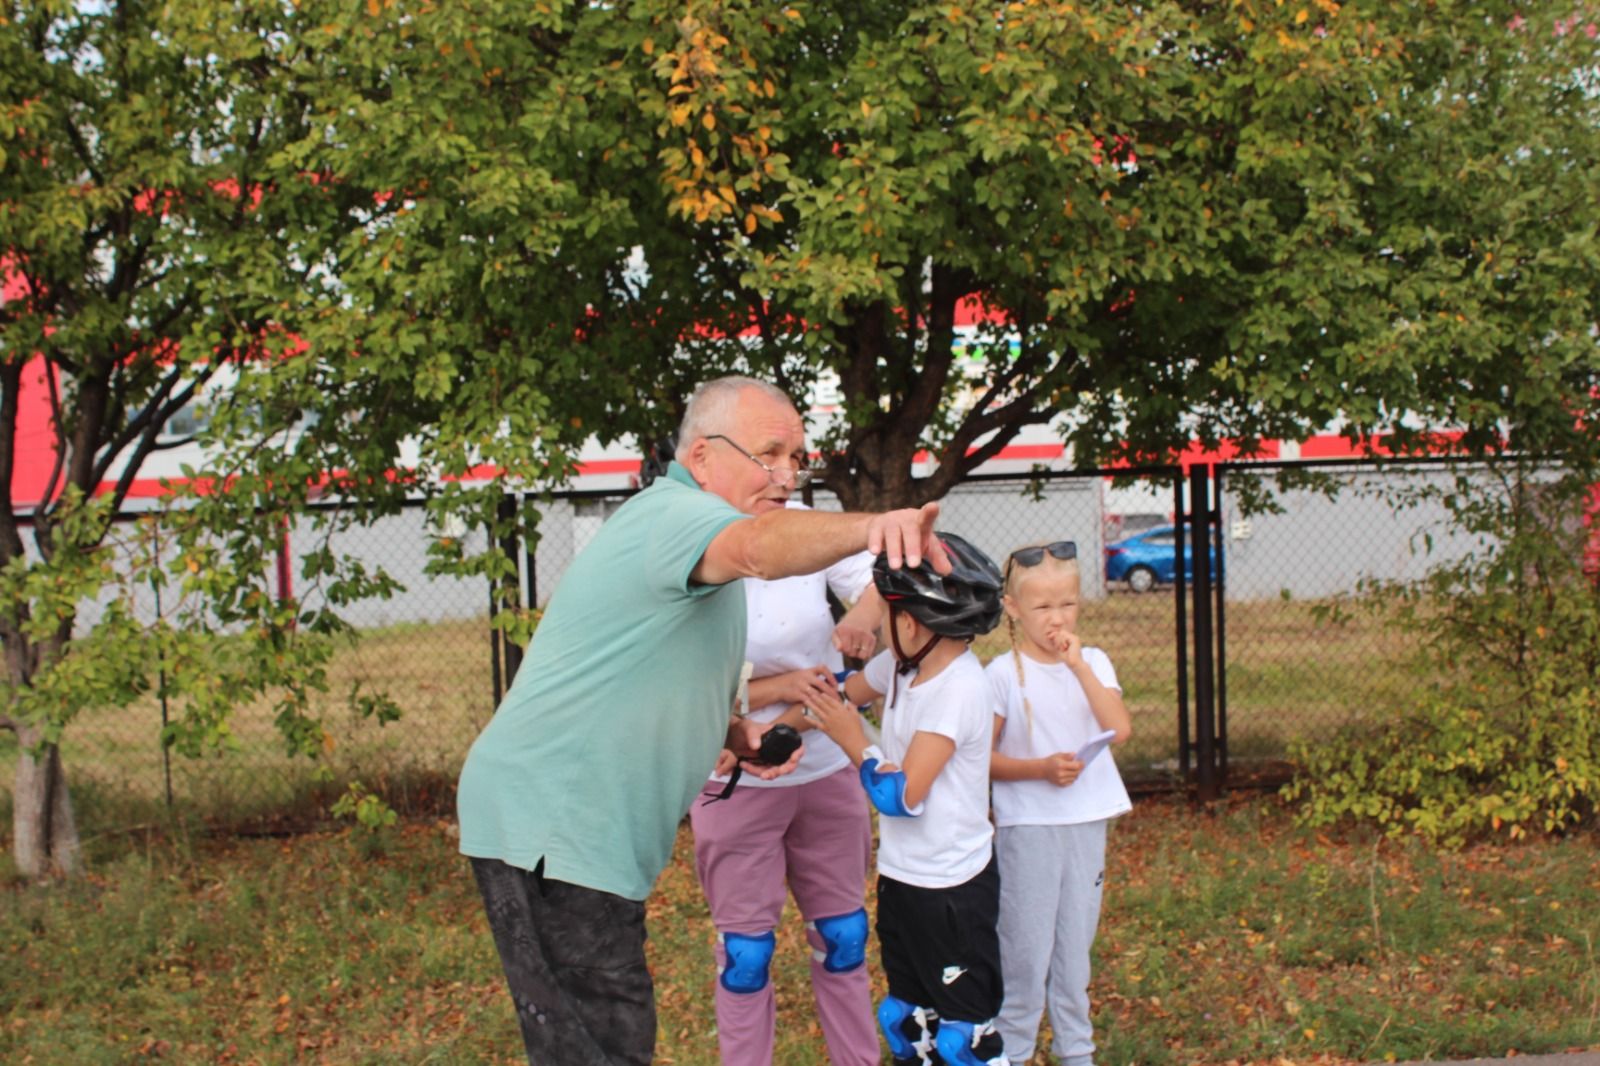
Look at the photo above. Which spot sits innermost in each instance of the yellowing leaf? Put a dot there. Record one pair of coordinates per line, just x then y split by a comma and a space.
1301, 15
708, 120
648, 46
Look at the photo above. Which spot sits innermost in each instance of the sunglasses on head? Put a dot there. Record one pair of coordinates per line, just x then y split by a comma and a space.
1060, 549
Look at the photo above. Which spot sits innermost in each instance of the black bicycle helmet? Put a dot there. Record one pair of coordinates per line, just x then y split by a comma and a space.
963, 603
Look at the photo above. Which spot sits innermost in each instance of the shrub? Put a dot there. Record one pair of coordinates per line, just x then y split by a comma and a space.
1508, 739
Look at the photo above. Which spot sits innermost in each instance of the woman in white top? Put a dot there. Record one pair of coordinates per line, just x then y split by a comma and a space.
809, 829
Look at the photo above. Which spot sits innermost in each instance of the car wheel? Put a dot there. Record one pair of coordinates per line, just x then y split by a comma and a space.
1141, 579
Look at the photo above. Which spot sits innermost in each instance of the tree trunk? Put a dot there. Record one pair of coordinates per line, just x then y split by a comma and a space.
44, 831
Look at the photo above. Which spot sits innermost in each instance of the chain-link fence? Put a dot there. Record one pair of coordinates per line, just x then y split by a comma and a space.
1313, 639
427, 647
1298, 648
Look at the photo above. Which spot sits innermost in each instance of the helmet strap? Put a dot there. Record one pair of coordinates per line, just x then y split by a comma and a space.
904, 663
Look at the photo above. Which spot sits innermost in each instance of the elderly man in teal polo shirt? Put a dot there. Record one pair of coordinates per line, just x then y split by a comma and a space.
571, 797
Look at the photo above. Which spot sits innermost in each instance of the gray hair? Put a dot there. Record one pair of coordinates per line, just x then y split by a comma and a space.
710, 409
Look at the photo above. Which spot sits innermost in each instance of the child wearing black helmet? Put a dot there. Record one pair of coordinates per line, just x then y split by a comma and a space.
938, 886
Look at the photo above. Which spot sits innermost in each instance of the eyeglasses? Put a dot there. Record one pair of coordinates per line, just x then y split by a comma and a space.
1060, 549
778, 475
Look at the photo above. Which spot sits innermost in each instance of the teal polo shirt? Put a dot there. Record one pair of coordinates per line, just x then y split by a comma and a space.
620, 706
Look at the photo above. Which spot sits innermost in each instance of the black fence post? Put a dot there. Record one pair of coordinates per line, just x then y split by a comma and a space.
530, 560
513, 581
1181, 622
1219, 580
1206, 781
161, 662
494, 646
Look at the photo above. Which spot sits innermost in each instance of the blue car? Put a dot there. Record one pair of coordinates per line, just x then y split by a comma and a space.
1149, 558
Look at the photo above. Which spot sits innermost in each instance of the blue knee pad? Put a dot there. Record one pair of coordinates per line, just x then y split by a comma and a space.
844, 941
748, 958
958, 1042
893, 1013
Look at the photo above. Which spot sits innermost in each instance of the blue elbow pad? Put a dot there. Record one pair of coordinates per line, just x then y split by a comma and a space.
887, 791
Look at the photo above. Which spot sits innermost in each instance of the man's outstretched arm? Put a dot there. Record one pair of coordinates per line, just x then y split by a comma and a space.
785, 543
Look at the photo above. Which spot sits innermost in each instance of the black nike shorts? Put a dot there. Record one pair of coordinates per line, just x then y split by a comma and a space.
939, 946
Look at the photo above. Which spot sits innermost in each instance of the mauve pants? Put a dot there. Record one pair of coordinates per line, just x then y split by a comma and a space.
818, 837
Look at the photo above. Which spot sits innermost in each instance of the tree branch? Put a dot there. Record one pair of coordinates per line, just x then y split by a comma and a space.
922, 400
81, 146
53, 387
154, 416
10, 394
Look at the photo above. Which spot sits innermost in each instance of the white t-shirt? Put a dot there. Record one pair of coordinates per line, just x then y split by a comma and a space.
791, 628
1062, 721
949, 843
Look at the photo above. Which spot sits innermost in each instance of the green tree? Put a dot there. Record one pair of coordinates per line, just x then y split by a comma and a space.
1246, 220
1242, 220
153, 236
384, 275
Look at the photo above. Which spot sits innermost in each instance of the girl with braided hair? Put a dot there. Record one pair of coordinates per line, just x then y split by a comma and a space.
1051, 696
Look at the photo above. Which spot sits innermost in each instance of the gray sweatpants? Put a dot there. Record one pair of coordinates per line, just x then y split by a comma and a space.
1051, 878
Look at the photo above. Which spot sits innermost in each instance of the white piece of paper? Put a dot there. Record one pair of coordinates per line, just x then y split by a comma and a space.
1094, 746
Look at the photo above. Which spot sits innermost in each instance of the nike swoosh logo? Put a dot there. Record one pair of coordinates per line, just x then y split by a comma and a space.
952, 974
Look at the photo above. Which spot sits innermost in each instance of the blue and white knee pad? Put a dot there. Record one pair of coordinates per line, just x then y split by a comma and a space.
970, 1044
913, 1042
748, 959
844, 941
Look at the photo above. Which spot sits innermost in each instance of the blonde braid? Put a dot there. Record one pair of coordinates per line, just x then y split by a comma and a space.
1016, 658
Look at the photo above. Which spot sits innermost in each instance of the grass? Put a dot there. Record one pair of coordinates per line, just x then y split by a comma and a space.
1228, 936
439, 673
1292, 673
